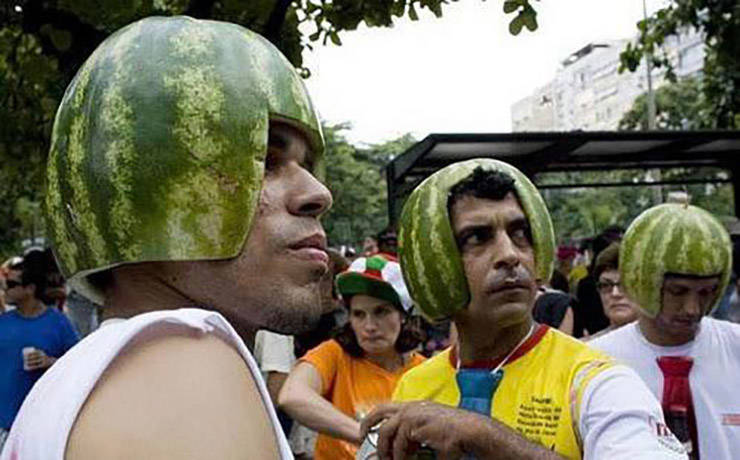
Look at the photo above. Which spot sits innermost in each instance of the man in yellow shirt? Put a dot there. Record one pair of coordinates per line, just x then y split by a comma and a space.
475, 241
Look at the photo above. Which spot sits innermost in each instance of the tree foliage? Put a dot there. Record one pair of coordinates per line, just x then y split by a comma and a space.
678, 106
44, 42
584, 212
356, 178
719, 21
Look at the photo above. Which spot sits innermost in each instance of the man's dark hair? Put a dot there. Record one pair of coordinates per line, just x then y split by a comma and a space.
482, 183
33, 270
607, 260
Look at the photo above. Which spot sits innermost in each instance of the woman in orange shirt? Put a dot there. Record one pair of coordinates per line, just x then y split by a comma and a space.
337, 383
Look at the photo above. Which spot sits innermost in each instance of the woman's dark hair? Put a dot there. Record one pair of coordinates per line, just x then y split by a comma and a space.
408, 339
607, 260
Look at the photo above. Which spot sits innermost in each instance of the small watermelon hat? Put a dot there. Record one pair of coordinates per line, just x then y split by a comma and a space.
376, 276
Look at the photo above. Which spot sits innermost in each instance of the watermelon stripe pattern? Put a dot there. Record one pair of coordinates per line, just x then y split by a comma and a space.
431, 263
672, 238
158, 146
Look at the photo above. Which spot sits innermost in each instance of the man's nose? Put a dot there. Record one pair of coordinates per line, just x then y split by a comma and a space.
504, 252
310, 197
692, 304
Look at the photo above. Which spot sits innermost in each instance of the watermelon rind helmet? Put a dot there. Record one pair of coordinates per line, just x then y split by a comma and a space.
672, 238
158, 146
430, 259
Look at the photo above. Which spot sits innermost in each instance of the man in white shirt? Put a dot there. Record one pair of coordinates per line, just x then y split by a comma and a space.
676, 272
182, 174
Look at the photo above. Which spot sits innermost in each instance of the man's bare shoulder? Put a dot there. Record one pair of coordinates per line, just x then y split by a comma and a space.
175, 396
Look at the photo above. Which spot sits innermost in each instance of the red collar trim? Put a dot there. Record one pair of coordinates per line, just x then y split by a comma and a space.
530, 343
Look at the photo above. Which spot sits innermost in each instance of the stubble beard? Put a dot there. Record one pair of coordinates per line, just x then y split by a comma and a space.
287, 309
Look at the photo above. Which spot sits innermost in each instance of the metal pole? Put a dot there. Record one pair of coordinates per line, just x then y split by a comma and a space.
657, 191
650, 94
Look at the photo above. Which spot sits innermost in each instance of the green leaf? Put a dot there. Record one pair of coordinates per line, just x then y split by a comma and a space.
412, 13
436, 8
335, 38
530, 20
516, 24
510, 6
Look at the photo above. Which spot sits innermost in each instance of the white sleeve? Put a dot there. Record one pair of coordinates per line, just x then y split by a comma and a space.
621, 419
275, 353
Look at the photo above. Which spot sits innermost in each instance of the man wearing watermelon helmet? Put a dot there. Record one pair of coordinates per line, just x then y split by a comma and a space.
675, 263
475, 240
181, 175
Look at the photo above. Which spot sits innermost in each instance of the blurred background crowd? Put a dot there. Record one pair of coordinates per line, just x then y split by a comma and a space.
42, 319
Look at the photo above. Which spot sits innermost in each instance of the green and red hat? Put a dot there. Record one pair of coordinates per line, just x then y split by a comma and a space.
376, 276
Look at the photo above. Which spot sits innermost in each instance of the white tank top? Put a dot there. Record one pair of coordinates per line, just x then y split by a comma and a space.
41, 429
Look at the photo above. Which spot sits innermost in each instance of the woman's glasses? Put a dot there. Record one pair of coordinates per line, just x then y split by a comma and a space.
606, 286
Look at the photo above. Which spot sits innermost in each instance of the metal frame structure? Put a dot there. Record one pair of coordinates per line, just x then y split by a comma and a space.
535, 153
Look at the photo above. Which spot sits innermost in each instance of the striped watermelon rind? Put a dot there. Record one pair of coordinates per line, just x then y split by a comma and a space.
158, 146
431, 262
672, 238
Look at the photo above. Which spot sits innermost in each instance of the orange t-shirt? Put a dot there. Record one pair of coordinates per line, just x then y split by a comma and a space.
354, 386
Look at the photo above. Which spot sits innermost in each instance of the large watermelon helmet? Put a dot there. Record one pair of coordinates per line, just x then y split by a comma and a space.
158, 147
431, 262
672, 238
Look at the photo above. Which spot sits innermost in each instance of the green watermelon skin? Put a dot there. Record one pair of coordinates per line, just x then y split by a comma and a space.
158, 145
677, 239
430, 260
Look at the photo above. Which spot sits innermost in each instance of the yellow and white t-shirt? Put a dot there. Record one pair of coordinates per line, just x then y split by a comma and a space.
560, 393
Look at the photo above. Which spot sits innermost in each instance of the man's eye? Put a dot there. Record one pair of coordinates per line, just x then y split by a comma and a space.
474, 237
519, 235
676, 291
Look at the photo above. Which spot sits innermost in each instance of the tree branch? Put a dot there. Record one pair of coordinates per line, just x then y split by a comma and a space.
200, 9
276, 20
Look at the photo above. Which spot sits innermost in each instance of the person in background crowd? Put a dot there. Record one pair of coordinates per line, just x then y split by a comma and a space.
580, 267
518, 390
83, 312
275, 356
690, 361
388, 242
729, 307
589, 317
341, 380
559, 278
369, 246
32, 336
2, 291
554, 308
208, 198
55, 294
617, 306
5, 271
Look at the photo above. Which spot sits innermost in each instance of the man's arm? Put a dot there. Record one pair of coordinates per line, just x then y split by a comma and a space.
449, 431
621, 419
175, 396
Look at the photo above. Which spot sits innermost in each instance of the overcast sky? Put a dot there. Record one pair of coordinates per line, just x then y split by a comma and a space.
460, 73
